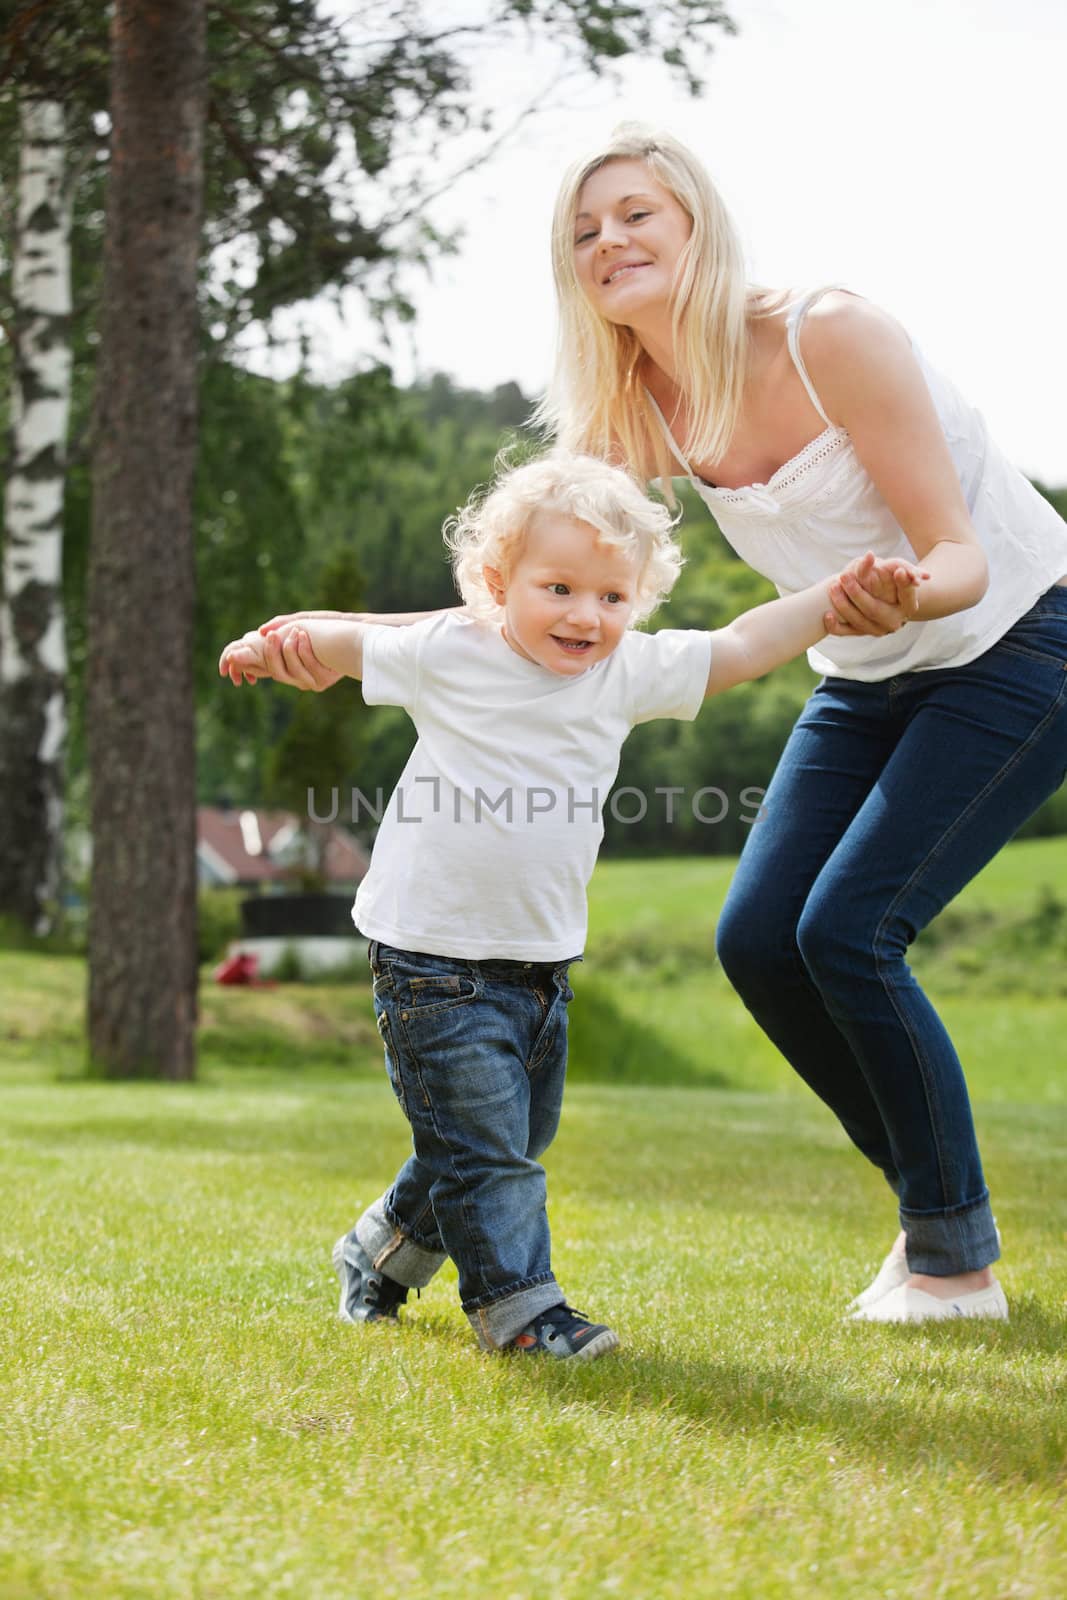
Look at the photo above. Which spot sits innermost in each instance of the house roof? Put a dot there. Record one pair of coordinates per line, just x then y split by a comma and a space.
247, 846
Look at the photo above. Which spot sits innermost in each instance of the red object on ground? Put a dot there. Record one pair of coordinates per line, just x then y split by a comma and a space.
240, 969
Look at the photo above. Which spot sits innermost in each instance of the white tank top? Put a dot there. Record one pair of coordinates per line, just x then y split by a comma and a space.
821, 509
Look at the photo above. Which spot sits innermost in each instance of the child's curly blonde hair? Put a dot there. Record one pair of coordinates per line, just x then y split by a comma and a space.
490, 530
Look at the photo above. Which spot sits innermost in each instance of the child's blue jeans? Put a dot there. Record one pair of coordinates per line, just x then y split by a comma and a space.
888, 799
476, 1052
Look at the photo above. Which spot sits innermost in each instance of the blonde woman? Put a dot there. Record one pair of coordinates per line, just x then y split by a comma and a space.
814, 430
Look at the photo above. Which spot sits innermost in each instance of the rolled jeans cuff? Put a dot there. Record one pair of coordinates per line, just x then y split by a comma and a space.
393, 1252
944, 1244
497, 1323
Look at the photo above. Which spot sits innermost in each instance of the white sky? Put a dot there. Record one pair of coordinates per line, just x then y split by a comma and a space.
910, 149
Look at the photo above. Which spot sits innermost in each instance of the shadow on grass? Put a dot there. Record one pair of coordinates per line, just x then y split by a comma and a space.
933, 1421
922, 1428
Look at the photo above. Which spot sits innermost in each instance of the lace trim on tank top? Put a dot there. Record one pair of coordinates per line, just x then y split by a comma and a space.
827, 444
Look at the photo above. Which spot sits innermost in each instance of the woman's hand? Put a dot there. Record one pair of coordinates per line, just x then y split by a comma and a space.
873, 597
289, 656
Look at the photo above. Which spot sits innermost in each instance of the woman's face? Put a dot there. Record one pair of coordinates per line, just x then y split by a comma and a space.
628, 236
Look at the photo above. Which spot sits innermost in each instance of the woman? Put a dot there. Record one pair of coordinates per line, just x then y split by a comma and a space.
814, 430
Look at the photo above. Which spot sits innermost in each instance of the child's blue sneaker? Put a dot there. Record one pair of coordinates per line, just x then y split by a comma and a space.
564, 1333
366, 1295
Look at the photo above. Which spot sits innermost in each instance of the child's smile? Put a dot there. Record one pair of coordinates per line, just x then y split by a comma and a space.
569, 597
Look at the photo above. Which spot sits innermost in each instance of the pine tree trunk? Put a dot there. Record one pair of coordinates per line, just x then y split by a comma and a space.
33, 654
142, 920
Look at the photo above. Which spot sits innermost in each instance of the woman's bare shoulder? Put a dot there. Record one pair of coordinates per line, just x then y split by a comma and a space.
842, 327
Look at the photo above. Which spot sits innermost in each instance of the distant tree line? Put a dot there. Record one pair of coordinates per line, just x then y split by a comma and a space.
334, 496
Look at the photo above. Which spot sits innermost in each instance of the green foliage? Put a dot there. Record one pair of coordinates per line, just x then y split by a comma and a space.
1022, 950
218, 921
324, 125
607, 1046
289, 967
330, 498
374, 470
320, 747
14, 935
1049, 819
296, 478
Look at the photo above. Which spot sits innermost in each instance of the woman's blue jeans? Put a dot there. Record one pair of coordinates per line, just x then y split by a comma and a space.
888, 799
476, 1052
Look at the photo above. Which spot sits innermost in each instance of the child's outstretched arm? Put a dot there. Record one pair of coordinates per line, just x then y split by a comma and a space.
337, 645
291, 656
770, 635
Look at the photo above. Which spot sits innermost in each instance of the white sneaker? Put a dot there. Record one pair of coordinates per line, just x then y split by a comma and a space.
891, 1274
905, 1304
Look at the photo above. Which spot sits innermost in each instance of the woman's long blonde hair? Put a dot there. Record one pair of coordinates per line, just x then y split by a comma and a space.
596, 402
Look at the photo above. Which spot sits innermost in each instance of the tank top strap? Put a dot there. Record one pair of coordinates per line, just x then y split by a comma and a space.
672, 443
792, 334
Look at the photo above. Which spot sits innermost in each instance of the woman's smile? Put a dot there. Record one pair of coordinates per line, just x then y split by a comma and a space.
622, 208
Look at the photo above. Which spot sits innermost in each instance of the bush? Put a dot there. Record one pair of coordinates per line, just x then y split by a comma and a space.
67, 940
606, 1047
218, 921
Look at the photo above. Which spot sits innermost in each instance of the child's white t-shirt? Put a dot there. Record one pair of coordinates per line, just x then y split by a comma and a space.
487, 845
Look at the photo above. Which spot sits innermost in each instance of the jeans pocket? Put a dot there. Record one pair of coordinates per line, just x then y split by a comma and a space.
1041, 633
438, 991
548, 1040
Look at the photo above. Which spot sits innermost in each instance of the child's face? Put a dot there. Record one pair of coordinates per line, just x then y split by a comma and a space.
568, 599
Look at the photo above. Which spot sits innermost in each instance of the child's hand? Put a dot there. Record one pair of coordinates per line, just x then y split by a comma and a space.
873, 597
245, 659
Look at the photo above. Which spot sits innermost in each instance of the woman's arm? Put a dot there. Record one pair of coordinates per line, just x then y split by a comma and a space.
335, 644
382, 619
870, 383
290, 653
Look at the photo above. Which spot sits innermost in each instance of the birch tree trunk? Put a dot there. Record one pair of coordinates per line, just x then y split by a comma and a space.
33, 656
142, 919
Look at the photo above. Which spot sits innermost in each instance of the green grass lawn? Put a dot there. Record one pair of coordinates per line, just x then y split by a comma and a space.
181, 1414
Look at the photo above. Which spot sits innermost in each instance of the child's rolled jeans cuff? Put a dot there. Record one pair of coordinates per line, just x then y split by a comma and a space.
944, 1244
393, 1252
497, 1323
